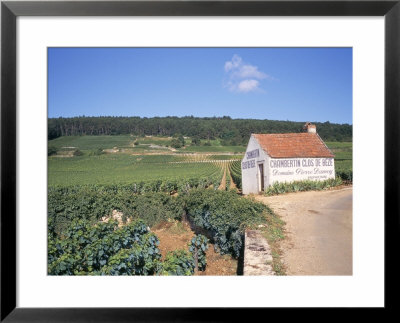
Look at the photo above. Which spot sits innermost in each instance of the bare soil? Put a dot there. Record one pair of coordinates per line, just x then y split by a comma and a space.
223, 181
177, 235
318, 231
232, 183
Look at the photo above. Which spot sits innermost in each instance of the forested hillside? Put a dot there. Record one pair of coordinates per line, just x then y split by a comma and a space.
230, 131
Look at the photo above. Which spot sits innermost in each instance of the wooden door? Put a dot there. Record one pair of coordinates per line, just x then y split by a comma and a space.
261, 178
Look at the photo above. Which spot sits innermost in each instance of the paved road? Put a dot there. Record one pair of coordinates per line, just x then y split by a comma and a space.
318, 229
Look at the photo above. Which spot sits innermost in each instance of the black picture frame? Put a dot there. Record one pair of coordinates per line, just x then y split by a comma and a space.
10, 10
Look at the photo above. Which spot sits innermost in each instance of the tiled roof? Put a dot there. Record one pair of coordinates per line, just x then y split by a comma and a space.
293, 145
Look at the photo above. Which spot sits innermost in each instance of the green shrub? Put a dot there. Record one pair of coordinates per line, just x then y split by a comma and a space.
92, 202
175, 143
96, 152
52, 150
178, 263
297, 186
141, 259
346, 175
224, 215
103, 248
77, 152
198, 247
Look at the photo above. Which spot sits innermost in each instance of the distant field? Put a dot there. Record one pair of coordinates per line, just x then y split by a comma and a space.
213, 149
225, 157
133, 164
162, 141
92, 142
339, 145
343, 152
124, 169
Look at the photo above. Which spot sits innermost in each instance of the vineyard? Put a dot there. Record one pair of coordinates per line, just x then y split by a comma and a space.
106, 196
84, 238
343, 159
157, 171
146, 187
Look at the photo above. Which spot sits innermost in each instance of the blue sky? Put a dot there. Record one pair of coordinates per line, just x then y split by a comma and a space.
296, 84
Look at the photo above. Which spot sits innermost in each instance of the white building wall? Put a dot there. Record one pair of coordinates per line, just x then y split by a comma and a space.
280, 169
253, 157
298, 169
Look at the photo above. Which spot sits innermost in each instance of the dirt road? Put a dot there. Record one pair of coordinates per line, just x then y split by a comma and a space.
318, 231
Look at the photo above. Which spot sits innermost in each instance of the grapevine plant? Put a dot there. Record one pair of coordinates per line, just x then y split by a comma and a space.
80, 244
225, 216
198, 247
178, 263
103, 249
236, 173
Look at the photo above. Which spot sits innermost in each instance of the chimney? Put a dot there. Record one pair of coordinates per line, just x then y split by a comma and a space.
310, 128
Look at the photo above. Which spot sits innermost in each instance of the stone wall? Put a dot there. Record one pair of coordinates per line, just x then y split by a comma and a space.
257, 255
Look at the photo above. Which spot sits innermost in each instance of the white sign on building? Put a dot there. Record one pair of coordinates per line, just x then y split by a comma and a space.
288, 157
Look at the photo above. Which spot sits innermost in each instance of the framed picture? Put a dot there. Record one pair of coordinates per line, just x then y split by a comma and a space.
29, 29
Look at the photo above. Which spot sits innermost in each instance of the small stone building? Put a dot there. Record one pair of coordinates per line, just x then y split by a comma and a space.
286, 157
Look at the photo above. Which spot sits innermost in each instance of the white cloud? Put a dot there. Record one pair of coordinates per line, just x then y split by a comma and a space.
248, 86
243, 77
233, 64
247, 71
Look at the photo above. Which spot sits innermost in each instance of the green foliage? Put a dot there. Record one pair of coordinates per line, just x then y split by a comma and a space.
224, 215
163, 172
345, 174
92, 202
77, 152
175, 143
141, 259
96, 152
209, 148
227, 183
178, 263
298, 186
52, 150
178, 141
198, 247
229, 131
196, 141
343, 159
154, 208
103, 248
235, 169
225, 157
87, 142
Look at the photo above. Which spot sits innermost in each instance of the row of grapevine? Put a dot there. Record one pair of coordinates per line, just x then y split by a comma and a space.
103, 249
91, 203
218, 177
106, 249
124, 169
173, 184
299, 186
235, 169
198, 247
224, 215
144, 200
227, 179
184, 263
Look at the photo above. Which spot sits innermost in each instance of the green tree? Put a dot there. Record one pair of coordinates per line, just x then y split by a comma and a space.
196, 141
51, 150
175, 143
